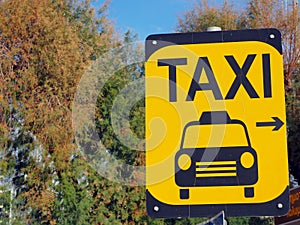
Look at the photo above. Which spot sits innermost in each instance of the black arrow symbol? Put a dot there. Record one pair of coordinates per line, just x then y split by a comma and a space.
277, 123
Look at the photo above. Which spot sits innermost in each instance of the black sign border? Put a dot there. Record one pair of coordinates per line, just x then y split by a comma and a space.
185, 211
158, 209
262, 35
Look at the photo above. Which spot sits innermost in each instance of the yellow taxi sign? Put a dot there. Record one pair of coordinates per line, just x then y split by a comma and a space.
215, 124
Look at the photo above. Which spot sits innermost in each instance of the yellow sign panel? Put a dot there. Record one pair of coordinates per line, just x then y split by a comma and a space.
215, 124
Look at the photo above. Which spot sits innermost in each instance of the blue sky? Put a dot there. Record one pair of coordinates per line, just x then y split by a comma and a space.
146, 17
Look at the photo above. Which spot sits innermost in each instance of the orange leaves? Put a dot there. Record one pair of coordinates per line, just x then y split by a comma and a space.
44, 50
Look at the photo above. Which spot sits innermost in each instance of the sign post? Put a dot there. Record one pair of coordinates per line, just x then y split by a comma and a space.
218, 219
215, 124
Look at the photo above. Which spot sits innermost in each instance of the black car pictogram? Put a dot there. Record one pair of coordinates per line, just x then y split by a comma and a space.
229, 165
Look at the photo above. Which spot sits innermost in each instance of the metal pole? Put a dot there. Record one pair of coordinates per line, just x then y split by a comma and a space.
214, 28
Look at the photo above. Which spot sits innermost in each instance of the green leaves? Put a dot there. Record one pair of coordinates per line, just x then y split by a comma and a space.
46, 47
204, 15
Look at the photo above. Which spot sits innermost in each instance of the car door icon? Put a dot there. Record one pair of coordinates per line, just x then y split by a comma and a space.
226, 158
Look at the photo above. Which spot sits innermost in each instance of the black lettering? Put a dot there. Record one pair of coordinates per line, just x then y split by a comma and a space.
267, 76
241, 78
172, 63
203, 63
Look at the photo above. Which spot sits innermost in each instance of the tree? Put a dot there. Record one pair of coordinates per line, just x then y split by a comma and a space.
45, 47
293, 120
122, 204
19, 155
202, 16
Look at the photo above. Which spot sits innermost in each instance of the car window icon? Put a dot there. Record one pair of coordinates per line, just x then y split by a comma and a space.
216, 151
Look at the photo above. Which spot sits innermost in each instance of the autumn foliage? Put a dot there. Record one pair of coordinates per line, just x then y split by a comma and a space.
45, 48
